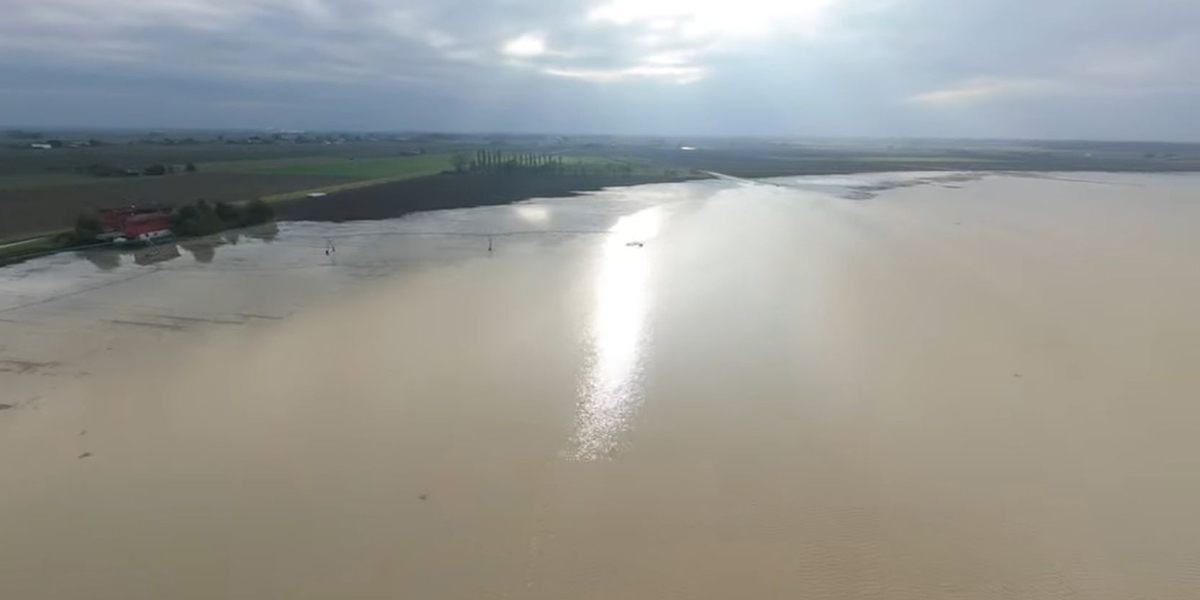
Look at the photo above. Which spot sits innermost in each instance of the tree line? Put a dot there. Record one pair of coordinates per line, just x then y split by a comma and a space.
155, 170
500, 161
205, 218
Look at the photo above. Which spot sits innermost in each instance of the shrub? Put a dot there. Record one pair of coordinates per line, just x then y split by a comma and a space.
203, 218
461, 162
184, 221
228, 213
197, 219
87, 227
258, 212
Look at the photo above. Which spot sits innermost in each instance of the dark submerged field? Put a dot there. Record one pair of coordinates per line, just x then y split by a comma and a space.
446, 191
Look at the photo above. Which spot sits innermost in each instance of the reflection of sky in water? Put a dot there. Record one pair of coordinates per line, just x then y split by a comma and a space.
610, 391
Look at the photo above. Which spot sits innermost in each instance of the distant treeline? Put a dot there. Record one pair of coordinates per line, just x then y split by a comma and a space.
498, 160
155, 170
20, 134
299, 138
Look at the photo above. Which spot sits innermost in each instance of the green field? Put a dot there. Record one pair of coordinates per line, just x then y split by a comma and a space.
365, 172
360, 172
32, 246
392, 167
601, 163
328, 189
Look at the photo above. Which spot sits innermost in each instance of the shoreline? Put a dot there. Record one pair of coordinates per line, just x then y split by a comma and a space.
446, 191
394, 199
467, 190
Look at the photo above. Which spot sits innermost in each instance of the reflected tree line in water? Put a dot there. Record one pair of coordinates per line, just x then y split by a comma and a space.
203, 250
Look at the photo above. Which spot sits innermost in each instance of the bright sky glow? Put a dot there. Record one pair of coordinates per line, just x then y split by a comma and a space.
676, 74
527, 45
691, 19
984, 88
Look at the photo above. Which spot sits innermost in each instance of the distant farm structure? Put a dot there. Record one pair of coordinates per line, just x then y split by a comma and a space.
134, 224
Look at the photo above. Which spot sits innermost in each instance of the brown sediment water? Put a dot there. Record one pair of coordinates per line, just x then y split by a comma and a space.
902, 386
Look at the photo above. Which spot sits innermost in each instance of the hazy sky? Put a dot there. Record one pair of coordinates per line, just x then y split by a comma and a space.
1117, 69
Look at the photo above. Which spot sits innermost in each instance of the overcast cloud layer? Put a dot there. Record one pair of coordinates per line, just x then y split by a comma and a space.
1115, 69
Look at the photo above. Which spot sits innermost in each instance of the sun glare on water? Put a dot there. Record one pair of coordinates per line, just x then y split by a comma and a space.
611, 390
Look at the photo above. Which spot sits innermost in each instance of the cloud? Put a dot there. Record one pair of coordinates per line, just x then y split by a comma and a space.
693, 19
613, 36
882, 67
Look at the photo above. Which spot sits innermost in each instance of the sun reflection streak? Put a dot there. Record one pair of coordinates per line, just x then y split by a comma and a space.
610, 392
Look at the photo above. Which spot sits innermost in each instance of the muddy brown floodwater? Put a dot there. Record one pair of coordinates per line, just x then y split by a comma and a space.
901, 386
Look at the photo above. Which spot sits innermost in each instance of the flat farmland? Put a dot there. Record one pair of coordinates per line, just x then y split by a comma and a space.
355, 168
32, 210
38, 202
66, 160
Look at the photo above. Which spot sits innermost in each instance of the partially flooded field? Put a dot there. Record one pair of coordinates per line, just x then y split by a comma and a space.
919, 385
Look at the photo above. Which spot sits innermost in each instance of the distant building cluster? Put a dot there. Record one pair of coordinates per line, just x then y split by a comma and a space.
54, 144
